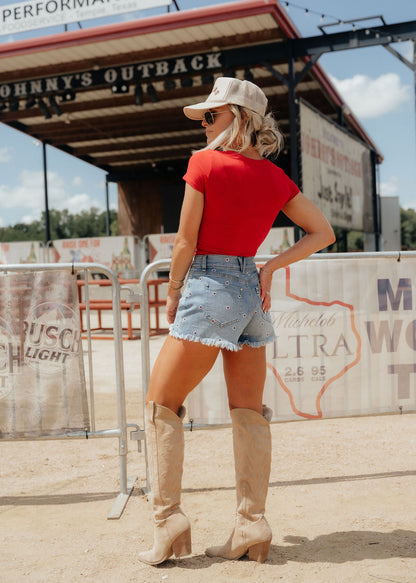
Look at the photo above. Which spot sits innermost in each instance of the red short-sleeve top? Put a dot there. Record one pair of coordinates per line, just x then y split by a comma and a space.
242, 198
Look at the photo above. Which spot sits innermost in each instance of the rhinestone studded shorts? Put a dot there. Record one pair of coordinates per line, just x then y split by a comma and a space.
221, 305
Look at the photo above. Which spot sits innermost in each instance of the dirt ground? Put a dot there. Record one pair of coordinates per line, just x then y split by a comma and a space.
342, 502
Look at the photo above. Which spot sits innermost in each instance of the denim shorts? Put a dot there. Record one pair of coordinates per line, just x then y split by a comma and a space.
221, 305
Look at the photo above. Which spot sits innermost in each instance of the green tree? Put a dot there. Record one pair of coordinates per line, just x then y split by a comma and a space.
63, 225
408, 228
355, 241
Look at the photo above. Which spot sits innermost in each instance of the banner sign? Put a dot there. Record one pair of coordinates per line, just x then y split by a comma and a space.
33, 14
134, 73
160, 246
21, 252
336, 172
278, 240
121, 254
345, 343
42, 382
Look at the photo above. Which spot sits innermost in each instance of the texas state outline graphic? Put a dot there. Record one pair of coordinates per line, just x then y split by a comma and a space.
317, 343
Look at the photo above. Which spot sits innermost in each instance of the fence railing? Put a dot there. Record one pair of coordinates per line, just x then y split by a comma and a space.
345, 340
120, 431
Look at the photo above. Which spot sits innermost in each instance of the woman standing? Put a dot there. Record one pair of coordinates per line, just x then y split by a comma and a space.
233, 194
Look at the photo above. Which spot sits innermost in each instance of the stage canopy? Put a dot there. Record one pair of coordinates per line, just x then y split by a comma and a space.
113, 95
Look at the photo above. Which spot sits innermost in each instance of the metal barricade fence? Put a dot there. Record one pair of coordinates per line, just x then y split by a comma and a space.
120, 432
354, 353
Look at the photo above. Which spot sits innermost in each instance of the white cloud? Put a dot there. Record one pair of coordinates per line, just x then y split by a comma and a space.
80, 202
27, 219
77, 181
29, 192
408, 205
369, 98
5, 154
391, 187
26, 199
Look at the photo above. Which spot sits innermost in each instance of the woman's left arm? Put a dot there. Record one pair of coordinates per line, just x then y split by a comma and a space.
319, 234
184, 247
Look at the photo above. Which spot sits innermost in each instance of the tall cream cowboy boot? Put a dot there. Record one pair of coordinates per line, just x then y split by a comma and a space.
165, 446
252, 455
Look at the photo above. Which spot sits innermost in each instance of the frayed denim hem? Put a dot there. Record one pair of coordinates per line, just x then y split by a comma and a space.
206, 341
256, 344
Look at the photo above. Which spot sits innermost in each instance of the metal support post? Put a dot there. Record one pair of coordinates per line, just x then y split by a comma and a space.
107, 208
376, 203
293, 132
145, 346
45, 185
292, 121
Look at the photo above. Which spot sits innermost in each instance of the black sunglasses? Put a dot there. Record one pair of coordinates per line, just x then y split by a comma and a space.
209, 116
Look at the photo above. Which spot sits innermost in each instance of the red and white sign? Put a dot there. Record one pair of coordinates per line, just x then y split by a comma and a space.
21, 252
121, 254
336, 172
160, 246
278, 240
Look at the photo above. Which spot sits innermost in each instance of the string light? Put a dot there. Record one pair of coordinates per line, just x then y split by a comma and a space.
338, 21
308, 11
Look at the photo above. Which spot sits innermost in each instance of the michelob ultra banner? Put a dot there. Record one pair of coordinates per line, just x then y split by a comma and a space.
345, 342
42, 381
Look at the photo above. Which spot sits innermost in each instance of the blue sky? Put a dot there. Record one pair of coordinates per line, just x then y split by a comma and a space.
377, 86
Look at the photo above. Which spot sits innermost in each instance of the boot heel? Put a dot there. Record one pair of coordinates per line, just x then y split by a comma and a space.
259, 551
182, 544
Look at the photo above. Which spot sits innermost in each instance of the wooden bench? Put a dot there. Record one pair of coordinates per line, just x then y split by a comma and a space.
99, 305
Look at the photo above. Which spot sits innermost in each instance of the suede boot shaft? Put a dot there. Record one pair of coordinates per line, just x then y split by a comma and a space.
252, 456
165, 449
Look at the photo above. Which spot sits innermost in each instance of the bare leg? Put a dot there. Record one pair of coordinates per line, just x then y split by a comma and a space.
179, 368
245, 375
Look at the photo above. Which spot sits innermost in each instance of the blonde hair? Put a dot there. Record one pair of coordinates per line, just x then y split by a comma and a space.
249, 129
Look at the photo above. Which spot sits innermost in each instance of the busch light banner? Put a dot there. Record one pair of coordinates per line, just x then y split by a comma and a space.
345, 343
42, 382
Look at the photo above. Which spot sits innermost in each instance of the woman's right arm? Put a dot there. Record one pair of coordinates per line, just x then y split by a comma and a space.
184, 247
319, 234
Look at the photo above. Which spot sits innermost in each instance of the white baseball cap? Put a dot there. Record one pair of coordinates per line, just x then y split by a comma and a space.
228, 90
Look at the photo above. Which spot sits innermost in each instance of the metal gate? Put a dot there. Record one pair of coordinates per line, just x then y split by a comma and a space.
30, 330
345, 340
